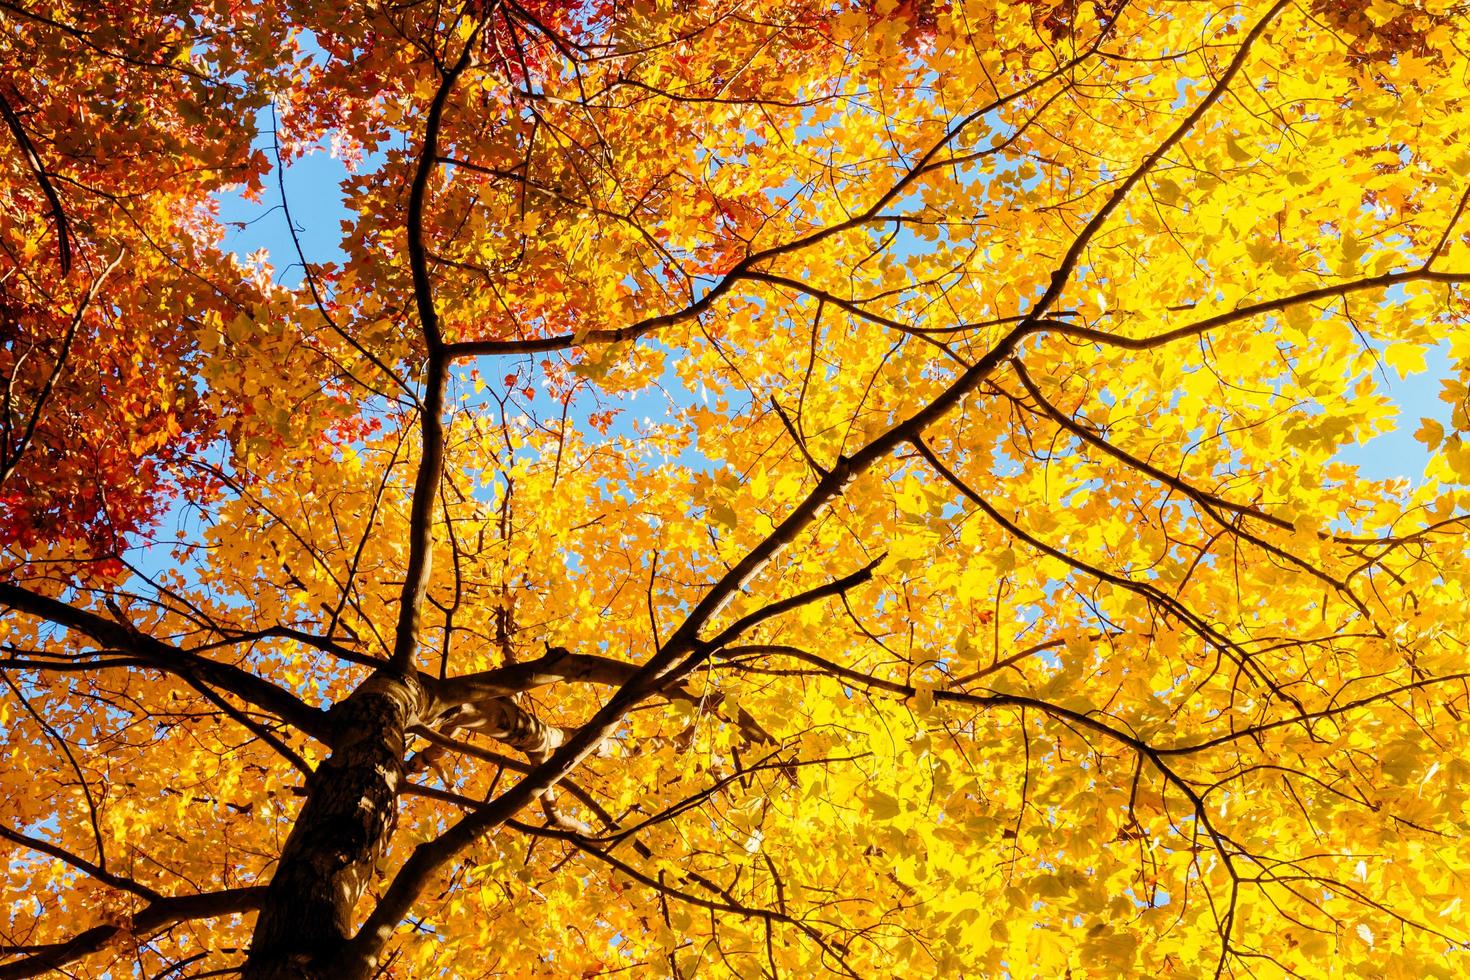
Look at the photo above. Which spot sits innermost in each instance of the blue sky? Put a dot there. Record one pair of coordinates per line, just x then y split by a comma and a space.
1398, 453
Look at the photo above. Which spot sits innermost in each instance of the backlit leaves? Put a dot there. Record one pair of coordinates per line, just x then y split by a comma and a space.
952, 401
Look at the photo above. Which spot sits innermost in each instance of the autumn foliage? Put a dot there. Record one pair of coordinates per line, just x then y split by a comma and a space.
762, 488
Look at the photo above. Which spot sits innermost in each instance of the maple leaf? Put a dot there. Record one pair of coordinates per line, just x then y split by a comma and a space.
759, 489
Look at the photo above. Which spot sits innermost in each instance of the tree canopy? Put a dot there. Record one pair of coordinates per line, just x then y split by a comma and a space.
763, 488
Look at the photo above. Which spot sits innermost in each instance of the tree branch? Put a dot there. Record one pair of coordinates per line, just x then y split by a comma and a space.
28, 150
117, 636
157, 915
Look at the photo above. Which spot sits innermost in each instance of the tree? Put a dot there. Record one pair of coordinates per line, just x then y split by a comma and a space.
768, 488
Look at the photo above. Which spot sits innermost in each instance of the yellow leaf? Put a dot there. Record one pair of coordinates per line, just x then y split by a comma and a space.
1430, 432
1406, 358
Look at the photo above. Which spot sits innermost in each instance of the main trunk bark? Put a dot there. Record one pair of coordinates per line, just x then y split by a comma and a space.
344, 827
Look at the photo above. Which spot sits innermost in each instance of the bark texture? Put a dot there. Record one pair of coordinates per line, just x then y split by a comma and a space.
346, 823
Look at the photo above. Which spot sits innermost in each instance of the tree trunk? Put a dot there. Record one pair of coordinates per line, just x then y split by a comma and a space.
343, 829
